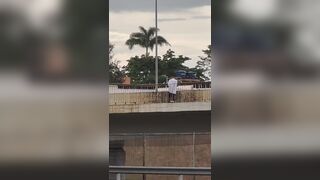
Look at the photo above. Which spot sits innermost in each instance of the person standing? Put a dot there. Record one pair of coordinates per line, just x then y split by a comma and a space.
172, 88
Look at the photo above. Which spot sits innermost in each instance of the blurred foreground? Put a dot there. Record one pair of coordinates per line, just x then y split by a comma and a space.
53, 122
265, 121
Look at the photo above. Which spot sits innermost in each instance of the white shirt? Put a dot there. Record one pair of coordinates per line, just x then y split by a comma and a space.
172, 83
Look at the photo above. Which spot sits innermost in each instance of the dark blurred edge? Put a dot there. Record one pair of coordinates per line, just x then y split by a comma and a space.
67, 170
160, 122
262, 167
266, 168
59, 171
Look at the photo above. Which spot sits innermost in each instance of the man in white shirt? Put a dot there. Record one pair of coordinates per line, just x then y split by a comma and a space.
172, 88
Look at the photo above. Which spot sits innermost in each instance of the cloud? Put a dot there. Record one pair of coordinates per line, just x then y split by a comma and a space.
116, 37
149, 5
201, 17
189, 34
200, 11
171, 19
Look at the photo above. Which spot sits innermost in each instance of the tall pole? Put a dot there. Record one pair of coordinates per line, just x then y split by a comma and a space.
156, 64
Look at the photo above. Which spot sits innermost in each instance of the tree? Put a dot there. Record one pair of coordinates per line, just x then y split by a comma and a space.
200, 73
111, 46
142, 71
116, 73
204, 65
170, 63
146, 39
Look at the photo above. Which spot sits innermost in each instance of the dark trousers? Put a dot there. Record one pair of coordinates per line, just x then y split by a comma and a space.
172, 97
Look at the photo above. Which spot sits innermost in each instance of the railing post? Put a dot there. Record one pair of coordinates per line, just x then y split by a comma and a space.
194, 151
144, 155
118, 176
180, 177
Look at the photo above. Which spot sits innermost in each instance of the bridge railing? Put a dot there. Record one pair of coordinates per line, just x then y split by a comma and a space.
134, 88
120, 94
179, 171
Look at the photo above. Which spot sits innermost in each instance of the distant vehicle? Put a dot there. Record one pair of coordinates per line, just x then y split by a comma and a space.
184, 76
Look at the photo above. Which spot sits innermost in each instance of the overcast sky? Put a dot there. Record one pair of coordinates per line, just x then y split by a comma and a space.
186, 24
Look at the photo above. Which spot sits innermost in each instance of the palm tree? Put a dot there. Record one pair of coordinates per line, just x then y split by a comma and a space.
146, 39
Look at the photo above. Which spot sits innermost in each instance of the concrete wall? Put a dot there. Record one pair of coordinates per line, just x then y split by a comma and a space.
161, 122
162, 97
160, 107
167, 150
188, 100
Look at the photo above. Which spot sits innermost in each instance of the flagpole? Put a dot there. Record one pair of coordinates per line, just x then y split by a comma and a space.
156, 63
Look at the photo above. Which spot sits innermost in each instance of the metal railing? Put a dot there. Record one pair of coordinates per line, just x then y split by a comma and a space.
179, 171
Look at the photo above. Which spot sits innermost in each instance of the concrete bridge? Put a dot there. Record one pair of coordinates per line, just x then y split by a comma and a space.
188, 98
143, 111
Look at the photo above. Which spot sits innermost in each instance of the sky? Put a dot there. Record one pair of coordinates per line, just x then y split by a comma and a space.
186, 24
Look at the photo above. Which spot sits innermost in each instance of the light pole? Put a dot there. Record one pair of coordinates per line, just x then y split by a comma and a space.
156, 63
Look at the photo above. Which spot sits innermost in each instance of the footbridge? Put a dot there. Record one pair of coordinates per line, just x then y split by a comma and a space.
144, 98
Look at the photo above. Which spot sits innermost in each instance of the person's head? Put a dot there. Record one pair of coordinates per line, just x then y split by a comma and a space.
172, 77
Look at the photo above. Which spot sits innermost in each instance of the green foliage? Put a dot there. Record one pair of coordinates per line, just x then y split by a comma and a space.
170, 63
204, 65
200, 73
116, 74
142, 69
110, 51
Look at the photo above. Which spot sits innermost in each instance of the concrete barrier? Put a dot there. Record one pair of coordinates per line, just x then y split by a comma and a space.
160, 97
